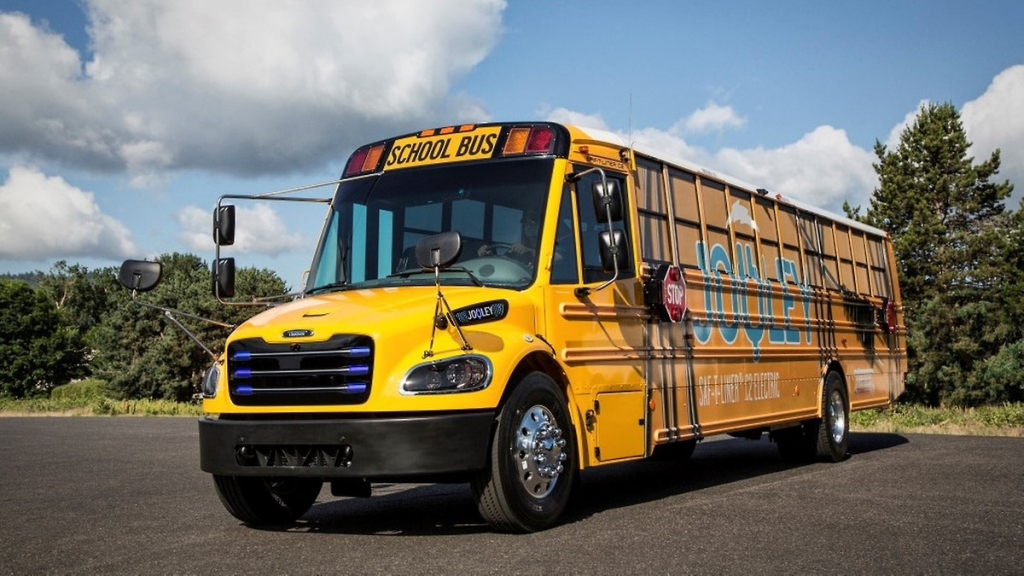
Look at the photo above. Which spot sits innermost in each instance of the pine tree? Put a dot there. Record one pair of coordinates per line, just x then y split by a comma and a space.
956, 248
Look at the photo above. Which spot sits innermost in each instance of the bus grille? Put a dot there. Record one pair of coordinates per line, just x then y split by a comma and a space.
338, 371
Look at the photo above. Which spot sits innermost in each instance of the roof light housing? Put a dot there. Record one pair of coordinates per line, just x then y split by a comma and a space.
523, 140
363, 160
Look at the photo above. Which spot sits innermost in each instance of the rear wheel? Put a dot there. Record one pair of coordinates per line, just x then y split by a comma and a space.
530, 473
834, 430
267, 500
826, 438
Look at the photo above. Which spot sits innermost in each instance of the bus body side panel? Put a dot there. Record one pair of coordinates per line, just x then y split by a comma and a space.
777, 294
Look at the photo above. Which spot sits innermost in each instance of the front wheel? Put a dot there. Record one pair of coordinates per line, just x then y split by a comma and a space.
530, 472
262, 501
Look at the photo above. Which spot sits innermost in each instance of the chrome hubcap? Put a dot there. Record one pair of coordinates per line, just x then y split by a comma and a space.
539, 451
837, 416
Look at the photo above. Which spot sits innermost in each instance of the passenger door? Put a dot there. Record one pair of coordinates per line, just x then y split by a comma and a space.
599, 336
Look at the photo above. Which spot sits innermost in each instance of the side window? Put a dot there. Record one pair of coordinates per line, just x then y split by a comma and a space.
592, 224
563, 265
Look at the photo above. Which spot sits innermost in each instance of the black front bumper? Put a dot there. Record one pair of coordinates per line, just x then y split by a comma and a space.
371, 448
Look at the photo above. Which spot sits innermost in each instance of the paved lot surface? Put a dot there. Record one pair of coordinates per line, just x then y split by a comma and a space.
126, 496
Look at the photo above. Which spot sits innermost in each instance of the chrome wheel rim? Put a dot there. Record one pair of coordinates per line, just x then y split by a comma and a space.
539, 452
837, 416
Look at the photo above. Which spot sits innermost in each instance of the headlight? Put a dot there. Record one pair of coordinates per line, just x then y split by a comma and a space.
210, 381
462, 374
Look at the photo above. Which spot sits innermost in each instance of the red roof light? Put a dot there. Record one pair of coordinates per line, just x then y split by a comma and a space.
355, 163
541, 140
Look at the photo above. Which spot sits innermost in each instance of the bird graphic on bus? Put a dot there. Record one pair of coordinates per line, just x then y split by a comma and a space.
738, 213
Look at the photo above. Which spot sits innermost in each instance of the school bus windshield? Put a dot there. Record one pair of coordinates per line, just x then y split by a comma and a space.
370, 237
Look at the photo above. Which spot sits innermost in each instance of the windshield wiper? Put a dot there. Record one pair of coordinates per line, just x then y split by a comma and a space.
408, 273
333, 286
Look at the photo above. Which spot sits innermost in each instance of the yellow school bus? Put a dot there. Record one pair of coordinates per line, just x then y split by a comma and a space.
507, 304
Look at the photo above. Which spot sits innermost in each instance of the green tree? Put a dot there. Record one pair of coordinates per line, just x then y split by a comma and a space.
82, 296
144, 355
37, 352
957, 251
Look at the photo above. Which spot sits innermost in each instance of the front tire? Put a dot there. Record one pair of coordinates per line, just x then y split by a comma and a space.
530, 472
267, 501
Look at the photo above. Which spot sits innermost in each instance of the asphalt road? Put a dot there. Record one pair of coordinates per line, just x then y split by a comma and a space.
126, 496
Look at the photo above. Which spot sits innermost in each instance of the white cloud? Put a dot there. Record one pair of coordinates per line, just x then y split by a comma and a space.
996, 120
711, 118
565, 116
239, 86
259, 230
823, 168
669, 143
45, 217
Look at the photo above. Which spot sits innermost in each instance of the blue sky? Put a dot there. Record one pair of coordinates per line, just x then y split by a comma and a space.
122, 121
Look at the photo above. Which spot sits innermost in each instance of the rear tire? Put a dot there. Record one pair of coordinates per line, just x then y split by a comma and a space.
531, 469
263, 501
834, 429
826, 438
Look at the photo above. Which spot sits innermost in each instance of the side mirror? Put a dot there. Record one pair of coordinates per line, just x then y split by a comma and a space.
223, 273
612, 246
608, 199
224, 225
140, 275
440, 250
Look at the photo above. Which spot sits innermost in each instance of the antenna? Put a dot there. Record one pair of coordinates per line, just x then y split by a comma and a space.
629, 122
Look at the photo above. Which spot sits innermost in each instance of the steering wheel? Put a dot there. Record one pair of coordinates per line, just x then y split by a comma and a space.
499, 249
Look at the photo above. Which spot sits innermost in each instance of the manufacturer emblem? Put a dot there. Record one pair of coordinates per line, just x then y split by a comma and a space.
480, 313
297, 334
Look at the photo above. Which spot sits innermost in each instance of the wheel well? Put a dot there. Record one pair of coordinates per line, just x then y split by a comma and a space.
538, 362
835, 366
541, 362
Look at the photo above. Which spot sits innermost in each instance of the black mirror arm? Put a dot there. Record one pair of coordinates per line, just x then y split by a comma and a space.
169, 314
442, 311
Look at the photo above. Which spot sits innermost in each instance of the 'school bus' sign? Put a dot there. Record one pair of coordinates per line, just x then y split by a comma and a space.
421, 151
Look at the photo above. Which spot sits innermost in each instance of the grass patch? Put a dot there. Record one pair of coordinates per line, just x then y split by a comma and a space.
96, 406
1005, 420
